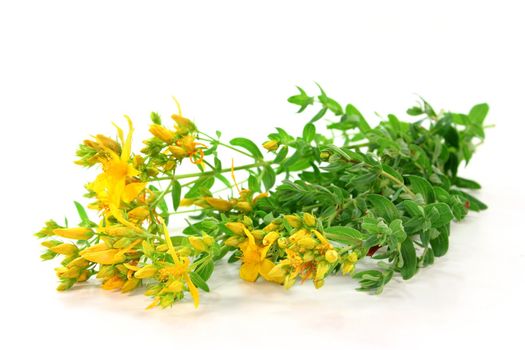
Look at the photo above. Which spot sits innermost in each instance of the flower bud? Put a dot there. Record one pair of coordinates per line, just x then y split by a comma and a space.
324, 155
84, 275
197, 243
277, 274
130, 285
146, 272
293, 221
208, 240
236, 227
321, 270
218, 203
347, 267
175, 286
233, 241
114, 282
80, 233
307, 243
162, 133
272, 226
244, 206
288, 282
184, 124
270, 238
318, 283
178, 152
105, 257
64, 249
282, 242
271, 145
138, 213
353, 257
309, 219
331, 256
79, 262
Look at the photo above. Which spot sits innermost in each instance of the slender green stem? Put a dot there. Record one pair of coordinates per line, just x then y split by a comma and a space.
212, 139
225, 170
398, 182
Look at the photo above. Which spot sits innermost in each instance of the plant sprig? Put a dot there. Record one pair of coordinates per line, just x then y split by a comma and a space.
314, 205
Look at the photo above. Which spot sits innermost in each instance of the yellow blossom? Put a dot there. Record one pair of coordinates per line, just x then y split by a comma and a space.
254, 261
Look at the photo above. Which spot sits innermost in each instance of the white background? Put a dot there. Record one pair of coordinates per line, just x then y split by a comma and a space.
68, 69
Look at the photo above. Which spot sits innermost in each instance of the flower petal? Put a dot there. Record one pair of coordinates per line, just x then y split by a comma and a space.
249, 272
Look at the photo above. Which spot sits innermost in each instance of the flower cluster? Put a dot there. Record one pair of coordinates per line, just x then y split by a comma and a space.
288, 248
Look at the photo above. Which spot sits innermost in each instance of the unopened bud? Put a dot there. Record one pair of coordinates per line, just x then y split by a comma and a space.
271, 145
293, 221
218, 203
162, 133
197, 243
64, 249
146, 272
331, 256
80, 233
270, 238
309, 219
236, 227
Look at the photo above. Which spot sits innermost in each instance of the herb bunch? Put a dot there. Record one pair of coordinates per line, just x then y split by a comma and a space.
312, 206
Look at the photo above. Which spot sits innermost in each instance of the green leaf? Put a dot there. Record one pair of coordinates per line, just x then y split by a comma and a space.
155, 118
319, 115
309, 132
205, 269
268, 177
413, 208
398, 230
383, 207
415, 111
408, 253
344, 234
83, 215
249, 145
198, 281
440, 243
421, 185
302, 100
478, 113
200, 187
354, 115
443, 214
175, 194
281, 155
466, 183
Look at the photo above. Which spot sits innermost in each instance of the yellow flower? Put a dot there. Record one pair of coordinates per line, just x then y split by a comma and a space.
111, 186
74, 233
254, 261
181, 266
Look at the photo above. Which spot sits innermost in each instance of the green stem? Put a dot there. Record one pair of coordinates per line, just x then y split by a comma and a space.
399, 183
212, 139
